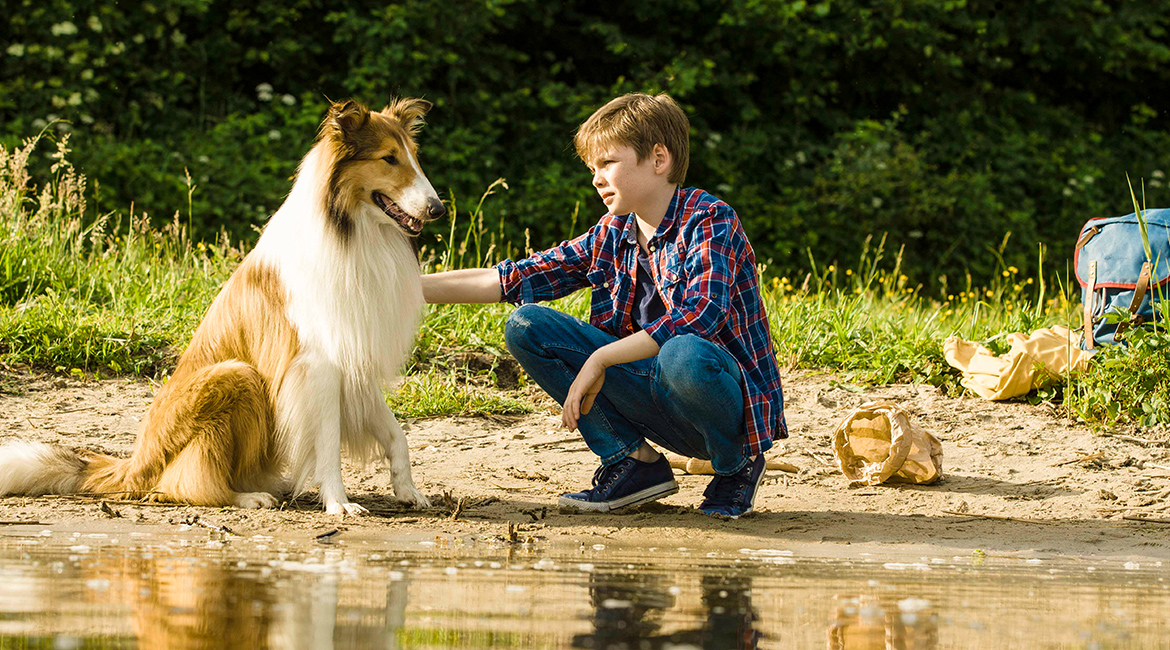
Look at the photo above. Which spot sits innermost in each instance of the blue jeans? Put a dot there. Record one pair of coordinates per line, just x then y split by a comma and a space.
686, 399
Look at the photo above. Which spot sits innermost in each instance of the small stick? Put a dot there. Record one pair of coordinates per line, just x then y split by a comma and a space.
194, 520
458, 508
1083, 459
818, 457
80, 408
1147, 520
327, 536
551, 443
520, 488
21, 523
1141, 441
999, 517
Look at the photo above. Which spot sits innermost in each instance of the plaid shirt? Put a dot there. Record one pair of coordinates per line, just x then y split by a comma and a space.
705, 271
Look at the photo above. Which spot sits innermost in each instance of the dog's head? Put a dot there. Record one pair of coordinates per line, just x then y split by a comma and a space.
375, 164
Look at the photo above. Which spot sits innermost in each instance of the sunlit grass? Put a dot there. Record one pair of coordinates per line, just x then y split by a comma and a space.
111, 295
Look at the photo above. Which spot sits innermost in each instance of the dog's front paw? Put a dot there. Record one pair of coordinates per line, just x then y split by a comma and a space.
345, 509
255, 500
410, 495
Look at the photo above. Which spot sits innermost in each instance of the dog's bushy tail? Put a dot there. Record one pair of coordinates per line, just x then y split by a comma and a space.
35, 468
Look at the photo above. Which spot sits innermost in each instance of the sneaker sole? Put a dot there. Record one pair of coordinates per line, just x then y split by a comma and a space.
635, 499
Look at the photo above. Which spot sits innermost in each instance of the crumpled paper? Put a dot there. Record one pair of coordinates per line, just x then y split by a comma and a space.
1034, 361
876, 443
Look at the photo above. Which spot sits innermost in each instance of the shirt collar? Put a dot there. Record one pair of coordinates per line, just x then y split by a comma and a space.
630, 232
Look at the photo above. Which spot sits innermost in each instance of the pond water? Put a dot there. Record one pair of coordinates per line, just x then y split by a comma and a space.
183, 590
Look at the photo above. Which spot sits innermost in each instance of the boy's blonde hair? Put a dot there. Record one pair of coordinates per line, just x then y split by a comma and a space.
640, 121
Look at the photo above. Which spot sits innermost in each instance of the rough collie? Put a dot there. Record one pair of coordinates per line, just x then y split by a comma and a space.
287, 367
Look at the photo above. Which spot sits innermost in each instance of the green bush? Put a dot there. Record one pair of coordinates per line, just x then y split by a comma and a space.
944, 123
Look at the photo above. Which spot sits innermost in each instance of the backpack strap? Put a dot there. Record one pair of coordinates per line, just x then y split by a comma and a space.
1089, 234
1139, 291
1091, 286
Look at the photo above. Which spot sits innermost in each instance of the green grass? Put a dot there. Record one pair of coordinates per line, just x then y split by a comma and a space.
104, 295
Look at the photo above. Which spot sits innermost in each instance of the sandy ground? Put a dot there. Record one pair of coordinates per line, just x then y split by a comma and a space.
1020, 480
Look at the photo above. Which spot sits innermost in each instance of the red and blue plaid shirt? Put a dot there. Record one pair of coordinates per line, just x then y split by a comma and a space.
705, 271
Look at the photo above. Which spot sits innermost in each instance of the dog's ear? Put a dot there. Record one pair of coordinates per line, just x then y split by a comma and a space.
347, 117
409, 112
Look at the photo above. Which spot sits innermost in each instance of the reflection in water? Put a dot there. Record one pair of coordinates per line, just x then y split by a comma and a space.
248, 593
628, 612
867, 623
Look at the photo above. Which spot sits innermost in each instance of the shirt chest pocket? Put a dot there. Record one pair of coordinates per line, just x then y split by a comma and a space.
601, 281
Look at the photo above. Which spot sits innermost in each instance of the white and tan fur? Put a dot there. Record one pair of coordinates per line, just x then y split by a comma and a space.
287, 367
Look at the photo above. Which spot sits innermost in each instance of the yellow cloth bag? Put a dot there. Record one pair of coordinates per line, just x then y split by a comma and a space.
1034, 361
877, 443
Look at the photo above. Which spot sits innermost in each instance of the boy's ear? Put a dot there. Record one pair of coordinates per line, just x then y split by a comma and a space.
662, 159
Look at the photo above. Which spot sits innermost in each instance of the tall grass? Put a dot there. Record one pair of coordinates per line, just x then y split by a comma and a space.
108, 294
81, 293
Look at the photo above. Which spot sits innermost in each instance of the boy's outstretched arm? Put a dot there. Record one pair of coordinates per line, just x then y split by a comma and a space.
466, 285
592, 376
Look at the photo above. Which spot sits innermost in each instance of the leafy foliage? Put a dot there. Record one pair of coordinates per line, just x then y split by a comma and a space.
945, 124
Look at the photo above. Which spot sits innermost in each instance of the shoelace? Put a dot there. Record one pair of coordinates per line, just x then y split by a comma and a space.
606, 474
726, 489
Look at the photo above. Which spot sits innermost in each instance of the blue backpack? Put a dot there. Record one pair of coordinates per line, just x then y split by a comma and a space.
1116, 276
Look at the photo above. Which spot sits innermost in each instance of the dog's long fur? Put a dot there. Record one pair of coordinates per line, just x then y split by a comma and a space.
288, 364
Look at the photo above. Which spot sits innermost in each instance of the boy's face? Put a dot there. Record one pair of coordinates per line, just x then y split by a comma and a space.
626, 184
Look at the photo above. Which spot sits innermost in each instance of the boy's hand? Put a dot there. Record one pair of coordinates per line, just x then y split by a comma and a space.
583, 391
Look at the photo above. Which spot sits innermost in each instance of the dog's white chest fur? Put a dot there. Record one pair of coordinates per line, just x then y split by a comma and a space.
356, 302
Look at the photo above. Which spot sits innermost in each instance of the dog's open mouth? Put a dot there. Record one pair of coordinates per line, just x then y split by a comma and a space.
408, 223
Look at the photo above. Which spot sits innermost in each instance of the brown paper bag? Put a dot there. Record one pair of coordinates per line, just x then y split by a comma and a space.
877, 443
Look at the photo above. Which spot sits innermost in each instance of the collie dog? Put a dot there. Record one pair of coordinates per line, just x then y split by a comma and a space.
287, 367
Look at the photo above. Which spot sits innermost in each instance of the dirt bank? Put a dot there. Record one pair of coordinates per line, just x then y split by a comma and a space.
1021, 480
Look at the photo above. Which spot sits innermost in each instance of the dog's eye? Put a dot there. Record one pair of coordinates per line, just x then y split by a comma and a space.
390, 160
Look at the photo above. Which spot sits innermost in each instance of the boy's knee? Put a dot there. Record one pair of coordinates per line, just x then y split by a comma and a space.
687, 363
518, 327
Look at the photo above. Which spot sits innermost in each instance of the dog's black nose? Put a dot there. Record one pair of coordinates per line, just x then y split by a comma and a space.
435, 209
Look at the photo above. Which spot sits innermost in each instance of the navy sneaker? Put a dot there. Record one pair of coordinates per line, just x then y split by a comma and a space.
734, 496
626, 483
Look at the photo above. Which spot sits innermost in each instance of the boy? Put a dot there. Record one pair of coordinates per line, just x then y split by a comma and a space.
677, 349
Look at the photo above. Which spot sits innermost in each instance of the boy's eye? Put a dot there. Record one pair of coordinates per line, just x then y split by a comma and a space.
390, 160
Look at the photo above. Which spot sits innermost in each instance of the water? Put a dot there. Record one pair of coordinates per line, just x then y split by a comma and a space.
153, 590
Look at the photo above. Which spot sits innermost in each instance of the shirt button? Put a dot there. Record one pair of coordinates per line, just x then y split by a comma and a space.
605, 284
651, 247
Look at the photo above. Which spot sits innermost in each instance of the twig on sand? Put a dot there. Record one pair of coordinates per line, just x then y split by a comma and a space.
1145, 442
818, 457
999, 517
458, 508
1147, 520
21, 523
97, 498
194, 520
1083, 459
552, 443
519, 488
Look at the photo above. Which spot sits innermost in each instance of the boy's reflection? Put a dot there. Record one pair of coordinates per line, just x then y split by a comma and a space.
628, 610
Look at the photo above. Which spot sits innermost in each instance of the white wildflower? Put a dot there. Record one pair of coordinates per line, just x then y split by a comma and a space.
94, 23
16, 49
274, 134
288, 100
64, 29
